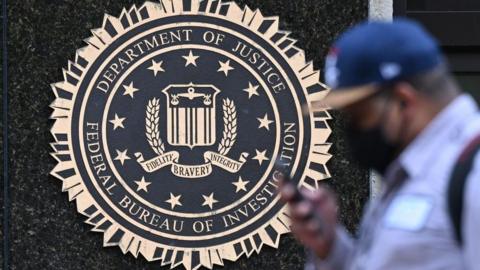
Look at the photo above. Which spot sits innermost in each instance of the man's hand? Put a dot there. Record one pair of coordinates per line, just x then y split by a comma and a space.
314, 219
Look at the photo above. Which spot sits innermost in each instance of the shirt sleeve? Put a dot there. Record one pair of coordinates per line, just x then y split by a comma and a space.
339, 256
471, 219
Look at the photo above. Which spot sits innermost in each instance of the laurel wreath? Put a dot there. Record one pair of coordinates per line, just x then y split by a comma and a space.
152, 126
152, 120
230, 127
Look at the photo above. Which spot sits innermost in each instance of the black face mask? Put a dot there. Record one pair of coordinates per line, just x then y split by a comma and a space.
371, 149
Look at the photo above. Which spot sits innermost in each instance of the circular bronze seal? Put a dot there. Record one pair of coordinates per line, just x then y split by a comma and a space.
169, 122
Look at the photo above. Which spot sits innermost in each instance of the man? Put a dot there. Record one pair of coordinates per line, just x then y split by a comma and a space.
408, 120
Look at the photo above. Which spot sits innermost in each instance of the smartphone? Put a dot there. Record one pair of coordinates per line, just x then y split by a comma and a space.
287, 180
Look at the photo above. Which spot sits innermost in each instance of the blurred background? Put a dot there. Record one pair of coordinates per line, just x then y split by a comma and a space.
456, 24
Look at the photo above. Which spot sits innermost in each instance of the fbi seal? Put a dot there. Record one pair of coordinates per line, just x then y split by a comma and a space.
168, 124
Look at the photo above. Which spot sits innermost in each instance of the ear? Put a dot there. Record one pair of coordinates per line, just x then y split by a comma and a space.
406, 94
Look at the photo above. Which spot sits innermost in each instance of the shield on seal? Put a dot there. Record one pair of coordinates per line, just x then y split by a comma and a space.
191, 119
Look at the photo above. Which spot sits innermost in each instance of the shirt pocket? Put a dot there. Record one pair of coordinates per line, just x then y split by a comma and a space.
408, 213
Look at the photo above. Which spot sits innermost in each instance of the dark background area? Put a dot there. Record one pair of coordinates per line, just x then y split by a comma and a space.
456, 25
45, 229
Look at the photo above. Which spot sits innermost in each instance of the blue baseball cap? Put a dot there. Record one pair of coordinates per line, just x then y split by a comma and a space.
375, 53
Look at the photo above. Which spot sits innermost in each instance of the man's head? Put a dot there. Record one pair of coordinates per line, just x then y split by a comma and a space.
391, 80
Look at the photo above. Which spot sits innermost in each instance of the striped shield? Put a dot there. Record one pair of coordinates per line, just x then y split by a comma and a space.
191, 119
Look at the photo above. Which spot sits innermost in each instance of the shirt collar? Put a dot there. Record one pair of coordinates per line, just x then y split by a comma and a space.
416, 156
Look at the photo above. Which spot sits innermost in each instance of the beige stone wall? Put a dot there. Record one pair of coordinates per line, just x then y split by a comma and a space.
378, 10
